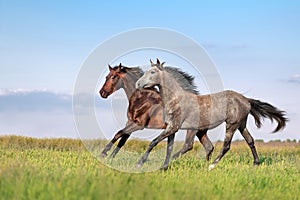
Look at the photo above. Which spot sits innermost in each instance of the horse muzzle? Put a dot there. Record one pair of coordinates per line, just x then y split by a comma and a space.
103, 93
139, 85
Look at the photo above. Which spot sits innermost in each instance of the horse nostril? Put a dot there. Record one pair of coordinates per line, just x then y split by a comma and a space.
137, 85
103, 93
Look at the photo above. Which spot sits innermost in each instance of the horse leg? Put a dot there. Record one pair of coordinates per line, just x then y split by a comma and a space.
169, 151
126, 134
130, 127
121, 143
230, 129
167, 132
205, 141
188, 143
250, 141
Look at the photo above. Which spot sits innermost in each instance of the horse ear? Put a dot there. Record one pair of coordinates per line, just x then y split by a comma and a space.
118, 68
159, 65
151, 62
157, 61
110, 68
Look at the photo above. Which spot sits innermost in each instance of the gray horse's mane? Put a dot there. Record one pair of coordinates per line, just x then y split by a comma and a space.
185, 80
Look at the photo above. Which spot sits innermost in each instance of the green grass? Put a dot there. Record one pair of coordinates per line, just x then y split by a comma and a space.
64, 169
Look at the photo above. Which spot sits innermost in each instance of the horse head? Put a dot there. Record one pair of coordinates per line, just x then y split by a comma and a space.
113, 80
152, 77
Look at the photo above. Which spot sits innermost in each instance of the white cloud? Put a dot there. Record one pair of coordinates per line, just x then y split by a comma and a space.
36, 113
23, 100
295, 78
39, 113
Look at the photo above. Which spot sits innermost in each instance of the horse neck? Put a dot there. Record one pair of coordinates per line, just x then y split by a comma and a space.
129, 84
169, 88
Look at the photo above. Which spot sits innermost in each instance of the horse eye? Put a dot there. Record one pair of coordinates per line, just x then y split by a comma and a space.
152, 72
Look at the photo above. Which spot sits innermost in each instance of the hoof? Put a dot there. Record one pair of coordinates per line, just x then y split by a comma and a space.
112, 155
164, 168
211, 167
208, 156
256, 163
103, 155
139, 165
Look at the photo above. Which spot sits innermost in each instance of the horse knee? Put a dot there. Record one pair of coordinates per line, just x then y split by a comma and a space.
188, 147
119, 134
210, 149
226, 148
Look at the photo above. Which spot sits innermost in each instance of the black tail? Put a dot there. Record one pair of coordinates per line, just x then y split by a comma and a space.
261, 109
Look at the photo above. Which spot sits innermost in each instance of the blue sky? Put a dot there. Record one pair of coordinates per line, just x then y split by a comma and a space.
254, 44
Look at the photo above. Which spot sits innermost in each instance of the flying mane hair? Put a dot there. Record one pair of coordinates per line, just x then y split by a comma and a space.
136, 71
185, 80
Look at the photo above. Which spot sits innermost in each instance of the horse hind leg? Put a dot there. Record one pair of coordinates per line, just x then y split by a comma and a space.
230, 130
188, 143
205, 141
250, 141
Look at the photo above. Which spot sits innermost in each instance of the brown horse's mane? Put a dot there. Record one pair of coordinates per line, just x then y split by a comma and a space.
136, 71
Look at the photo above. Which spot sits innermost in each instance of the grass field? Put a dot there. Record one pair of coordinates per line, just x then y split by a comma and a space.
64, 169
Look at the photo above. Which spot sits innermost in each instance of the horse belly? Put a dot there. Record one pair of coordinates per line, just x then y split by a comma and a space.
204, 117
201, 123
156, 119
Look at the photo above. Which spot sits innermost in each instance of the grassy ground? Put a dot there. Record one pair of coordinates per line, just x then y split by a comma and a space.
64, 169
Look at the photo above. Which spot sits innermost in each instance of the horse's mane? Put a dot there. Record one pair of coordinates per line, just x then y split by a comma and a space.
185, 80
136, 71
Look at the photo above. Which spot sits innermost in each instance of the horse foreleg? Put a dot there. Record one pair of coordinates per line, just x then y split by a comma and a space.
169, 151
130, 127
111, 143
121, 143
167, 132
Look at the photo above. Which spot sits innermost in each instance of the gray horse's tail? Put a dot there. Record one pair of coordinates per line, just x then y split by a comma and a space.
261, 109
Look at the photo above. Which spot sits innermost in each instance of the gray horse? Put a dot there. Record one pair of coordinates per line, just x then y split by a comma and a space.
185, 110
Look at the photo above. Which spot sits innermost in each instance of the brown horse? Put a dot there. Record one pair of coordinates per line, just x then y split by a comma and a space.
145, 110
184, 109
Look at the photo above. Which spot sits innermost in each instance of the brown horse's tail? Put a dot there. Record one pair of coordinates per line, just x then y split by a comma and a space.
261, 109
